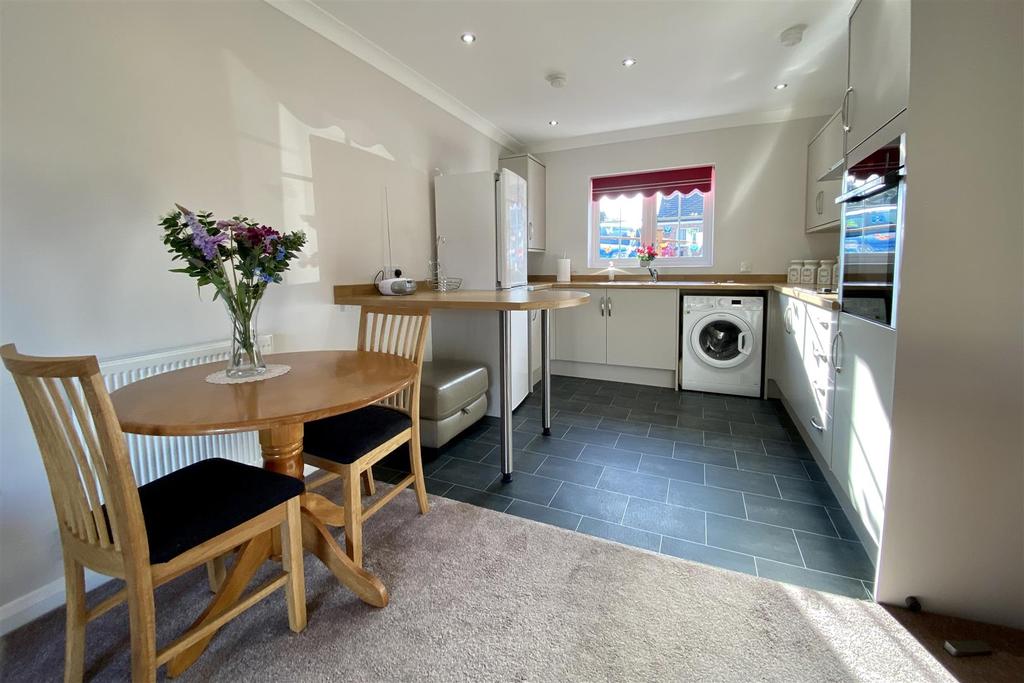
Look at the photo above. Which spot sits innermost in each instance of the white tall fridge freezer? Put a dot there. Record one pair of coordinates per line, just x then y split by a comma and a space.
482, 238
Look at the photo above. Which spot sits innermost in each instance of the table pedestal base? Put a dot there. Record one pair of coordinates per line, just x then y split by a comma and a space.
282, 452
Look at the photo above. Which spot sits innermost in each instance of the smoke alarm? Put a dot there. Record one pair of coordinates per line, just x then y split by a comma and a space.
792, 35
556, 80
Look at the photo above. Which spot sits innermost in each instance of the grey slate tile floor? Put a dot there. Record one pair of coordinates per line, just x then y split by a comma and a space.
722, 480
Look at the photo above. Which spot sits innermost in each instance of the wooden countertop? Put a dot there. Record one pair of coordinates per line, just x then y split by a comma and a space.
827, 301
522, 299
807, 295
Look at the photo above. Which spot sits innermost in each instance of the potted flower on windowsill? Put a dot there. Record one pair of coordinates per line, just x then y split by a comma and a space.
646, 255
240, 258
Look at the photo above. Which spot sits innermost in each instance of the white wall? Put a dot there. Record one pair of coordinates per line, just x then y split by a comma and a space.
760, 185
954, 523
113, 111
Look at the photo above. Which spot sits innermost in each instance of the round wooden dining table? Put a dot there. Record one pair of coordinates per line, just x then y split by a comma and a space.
320, 384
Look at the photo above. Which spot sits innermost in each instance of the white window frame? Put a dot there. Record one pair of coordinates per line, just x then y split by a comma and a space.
707, 260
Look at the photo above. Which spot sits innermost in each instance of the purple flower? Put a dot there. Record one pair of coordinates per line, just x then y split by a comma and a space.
207, 243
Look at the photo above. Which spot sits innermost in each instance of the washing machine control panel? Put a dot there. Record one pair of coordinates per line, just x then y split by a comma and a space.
697, 304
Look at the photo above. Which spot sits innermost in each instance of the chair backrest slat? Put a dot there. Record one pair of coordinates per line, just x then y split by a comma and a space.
83, 449
402, 334
74, 393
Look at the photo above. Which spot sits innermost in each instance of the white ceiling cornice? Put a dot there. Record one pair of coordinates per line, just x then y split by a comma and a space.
317, 19
679, 127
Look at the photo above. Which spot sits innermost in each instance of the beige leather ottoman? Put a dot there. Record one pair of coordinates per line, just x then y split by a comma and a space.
453, 395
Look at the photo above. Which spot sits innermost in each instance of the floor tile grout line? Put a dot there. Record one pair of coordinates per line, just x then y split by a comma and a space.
553, 495
799, 549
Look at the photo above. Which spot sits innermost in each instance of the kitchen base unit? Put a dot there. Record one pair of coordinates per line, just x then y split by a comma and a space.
834, 374
621, 336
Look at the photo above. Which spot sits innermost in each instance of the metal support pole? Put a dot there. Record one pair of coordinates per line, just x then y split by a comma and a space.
545, 368
505, 370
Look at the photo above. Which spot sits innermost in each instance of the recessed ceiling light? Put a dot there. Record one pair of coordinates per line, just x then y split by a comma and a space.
552, 122
468, 38
781, 86
628, 62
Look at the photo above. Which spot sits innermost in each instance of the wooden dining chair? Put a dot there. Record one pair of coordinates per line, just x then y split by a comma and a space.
151, 534
348, 445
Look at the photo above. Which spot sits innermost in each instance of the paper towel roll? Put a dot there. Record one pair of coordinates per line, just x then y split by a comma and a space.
563, 270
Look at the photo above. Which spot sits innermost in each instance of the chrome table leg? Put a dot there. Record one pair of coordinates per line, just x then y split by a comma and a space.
545, 368
505, 370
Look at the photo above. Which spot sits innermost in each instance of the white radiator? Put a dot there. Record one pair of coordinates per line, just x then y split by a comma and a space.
155, 456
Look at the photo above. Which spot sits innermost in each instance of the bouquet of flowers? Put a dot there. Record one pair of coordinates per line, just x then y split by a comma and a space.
240, 258
646, 253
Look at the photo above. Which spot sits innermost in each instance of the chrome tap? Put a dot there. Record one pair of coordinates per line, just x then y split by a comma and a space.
654, 274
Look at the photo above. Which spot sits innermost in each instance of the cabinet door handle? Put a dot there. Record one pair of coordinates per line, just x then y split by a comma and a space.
846, 109
609, 307
531, 229
602, 306
819, 202
787, 318
835, 351
817, 425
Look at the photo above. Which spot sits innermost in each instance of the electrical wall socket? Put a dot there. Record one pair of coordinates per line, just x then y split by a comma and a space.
745, 266
392, 270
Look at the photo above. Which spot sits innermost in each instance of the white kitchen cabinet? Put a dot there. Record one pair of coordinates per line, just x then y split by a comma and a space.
825, 151
580, 333
865, 361
534, 173
878, 68
824, 162
637, 329
642, 328
802, 367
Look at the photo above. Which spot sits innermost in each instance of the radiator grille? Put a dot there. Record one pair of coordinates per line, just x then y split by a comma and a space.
155, 456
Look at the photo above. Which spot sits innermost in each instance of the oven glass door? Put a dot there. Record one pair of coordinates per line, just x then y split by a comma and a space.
871, 239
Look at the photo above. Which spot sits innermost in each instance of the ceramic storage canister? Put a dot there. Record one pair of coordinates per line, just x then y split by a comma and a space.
793, 272
825, 273
809, 272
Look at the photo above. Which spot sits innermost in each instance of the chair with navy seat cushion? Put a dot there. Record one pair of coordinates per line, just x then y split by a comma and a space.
348, 445
151, 534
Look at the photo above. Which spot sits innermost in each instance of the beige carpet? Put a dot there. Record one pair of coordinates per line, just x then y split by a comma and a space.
479, 595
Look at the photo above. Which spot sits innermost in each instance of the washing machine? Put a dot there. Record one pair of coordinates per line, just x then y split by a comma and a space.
722, 343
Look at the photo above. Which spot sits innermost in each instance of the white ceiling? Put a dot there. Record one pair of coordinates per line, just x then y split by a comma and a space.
697, 59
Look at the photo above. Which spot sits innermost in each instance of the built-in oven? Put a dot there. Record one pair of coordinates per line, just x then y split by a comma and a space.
874, 191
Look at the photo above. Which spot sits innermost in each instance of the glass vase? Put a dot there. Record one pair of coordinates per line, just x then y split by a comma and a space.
246, 359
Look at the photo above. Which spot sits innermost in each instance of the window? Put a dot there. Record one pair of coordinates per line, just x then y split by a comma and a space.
672, 210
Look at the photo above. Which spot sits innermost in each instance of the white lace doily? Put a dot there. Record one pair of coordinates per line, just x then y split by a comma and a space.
221, 376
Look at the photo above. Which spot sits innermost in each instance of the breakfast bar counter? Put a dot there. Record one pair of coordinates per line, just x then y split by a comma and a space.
504, 302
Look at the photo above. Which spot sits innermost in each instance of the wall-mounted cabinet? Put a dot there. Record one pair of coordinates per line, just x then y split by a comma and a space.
525, 166
824, 177
878, 80
635, 329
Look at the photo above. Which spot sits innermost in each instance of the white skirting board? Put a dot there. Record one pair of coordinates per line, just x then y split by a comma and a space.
615, 373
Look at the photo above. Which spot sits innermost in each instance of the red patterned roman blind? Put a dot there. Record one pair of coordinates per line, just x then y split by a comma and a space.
684, 180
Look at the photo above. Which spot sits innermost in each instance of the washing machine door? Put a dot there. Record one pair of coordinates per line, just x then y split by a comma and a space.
722, 340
